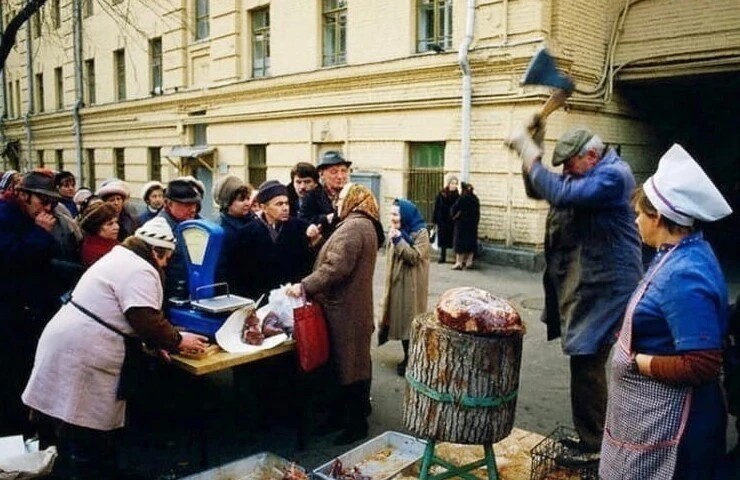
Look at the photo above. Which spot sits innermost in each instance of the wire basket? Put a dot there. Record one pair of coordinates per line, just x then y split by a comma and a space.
545, 453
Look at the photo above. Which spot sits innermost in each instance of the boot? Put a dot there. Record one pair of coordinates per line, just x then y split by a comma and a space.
367, 384
355, 401
442, 255
401, 367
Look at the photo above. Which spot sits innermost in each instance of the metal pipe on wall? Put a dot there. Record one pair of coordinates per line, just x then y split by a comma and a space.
467, 92
77, 120
29, 110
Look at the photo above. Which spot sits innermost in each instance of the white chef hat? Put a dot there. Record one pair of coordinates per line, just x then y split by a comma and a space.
682, 192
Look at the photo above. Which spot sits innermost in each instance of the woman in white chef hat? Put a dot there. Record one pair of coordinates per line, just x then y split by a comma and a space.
666, 415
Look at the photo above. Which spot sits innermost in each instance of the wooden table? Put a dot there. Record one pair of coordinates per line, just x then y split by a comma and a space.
222, 360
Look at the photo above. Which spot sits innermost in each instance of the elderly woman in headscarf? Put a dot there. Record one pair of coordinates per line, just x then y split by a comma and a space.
406, 276
442, 216
79, 380
342, 283
666, 413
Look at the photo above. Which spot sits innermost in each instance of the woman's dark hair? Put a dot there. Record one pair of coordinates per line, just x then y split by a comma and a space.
642, 203
63, 176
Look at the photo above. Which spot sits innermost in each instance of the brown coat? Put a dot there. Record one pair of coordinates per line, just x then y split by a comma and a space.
342, 282
406, 284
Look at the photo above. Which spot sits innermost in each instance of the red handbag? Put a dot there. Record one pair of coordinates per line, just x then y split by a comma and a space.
311, 336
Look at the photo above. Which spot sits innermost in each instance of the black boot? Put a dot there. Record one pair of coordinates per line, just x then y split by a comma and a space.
367, 384
355, 403
442, 255
401, 367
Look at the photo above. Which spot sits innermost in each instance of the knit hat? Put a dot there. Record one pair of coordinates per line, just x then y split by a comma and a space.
148, 187
7, 177
113, 186
570, 143
96, 217
271, 189
226, 189
182, 191
157, 233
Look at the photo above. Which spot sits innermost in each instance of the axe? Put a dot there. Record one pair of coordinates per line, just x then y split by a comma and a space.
542, 70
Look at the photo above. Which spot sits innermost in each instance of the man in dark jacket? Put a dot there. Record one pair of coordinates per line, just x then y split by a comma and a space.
181, 202
592, 251
320, 206
304, 177
27, 300
274, 249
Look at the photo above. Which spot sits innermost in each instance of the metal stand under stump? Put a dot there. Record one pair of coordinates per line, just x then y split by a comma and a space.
489, 461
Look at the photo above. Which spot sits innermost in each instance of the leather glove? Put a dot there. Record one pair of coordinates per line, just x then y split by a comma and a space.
524, 145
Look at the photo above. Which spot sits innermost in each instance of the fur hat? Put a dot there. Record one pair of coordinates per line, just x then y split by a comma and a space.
157, 233
200, 186
96, 217
226, 189
113, 186
182, 191
148, 187
81, 195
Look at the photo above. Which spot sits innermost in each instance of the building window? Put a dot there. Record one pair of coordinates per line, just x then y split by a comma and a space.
59, 160
90, 81
119, 61
119, 163
261, 42
155, 163
40, 158
56, 14
40, 92
335, 32
11, 101
155, 62
257, 164
89, 167
200, 134
426, 175
59, 88
18, 98
202, 19
87, 8
434, 25
36, 24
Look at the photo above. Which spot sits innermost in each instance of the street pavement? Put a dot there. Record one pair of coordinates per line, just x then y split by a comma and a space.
542, 405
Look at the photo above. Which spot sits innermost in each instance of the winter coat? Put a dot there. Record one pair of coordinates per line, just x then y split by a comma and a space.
442, 217
94, 247
316, 206
127, 222
466, 214
342, 283
406, 284
592, 252
229, 253
263, 264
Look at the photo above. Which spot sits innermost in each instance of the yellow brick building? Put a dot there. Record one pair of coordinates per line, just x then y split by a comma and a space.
250, 87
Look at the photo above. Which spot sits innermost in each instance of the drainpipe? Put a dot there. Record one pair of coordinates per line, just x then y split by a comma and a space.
4, 93
29, 110
77, 32
467, 92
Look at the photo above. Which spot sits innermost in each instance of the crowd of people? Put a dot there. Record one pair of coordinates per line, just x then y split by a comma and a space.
85, 263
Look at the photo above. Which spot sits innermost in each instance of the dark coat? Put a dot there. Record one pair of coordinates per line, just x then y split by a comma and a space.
147, 215
263, 264
592, 252
128, 224
293, 200
28, 299
176, 274
316, 206
466, 214
342, 282
229, 252
443, 218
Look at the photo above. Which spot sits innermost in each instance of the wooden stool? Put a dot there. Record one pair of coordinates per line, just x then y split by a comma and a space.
457, 471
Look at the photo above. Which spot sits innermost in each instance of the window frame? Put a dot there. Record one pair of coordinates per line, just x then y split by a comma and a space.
59, 159
87, 8
154, 163
90, 86
202, 19
260, 37
119, 69
431, 173
156, 66
59, 87
38, 82
119, 163
334, 18
442, 20
56, 14
256, 164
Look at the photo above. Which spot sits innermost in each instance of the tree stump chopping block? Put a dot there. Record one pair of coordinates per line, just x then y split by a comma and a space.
461, 388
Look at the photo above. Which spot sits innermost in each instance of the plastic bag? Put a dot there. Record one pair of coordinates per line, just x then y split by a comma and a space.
283, 306
28, 465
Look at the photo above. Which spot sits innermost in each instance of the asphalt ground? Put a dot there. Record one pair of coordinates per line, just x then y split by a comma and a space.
256, 412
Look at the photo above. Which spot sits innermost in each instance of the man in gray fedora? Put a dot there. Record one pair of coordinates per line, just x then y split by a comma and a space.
320, 204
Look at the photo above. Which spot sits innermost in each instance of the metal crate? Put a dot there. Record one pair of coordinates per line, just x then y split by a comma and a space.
261, 466
544, 465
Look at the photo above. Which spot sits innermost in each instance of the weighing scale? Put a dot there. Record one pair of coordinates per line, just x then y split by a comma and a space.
208, 304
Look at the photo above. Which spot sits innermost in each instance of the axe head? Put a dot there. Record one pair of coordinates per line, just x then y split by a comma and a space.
542, 70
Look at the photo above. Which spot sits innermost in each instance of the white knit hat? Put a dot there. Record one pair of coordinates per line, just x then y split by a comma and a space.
114, 186
681, 190
157, 233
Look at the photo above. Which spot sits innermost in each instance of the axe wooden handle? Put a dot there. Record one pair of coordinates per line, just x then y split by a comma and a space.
557, 99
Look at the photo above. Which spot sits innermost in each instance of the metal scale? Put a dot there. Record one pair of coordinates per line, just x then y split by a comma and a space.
208, 304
